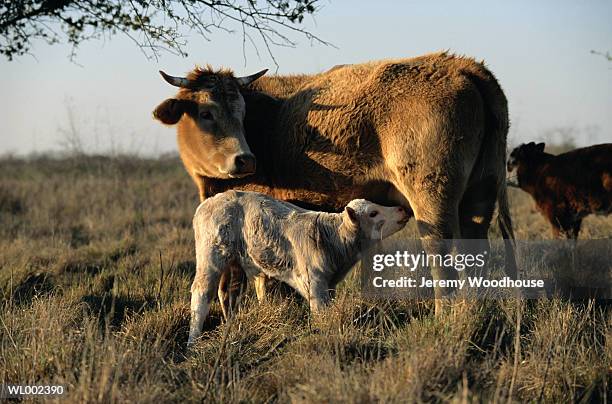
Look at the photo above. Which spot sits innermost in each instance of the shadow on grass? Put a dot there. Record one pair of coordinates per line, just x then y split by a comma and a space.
186, 268
35, 284
112, 310
388, 315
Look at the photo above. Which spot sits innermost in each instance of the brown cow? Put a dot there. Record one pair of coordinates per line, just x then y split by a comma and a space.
427, 133
567, 187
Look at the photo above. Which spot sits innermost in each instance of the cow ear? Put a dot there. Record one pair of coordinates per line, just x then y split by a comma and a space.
352, 215
540, 147
170, 111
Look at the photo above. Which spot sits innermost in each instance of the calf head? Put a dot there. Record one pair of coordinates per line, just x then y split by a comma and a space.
523, 154
209, 110
374, 221
519, 161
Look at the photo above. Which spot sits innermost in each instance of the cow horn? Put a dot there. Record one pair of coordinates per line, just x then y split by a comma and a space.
246, 80
176, 81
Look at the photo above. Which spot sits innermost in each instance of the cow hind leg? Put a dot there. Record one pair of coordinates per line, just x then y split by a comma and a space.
475, 215
438, 223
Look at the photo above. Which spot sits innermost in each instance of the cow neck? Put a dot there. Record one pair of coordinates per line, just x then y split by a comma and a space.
262, 114
262, 111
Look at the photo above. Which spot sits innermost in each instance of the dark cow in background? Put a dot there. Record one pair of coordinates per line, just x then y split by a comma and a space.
566, 187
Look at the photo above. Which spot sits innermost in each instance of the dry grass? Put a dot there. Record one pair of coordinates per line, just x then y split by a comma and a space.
96, 260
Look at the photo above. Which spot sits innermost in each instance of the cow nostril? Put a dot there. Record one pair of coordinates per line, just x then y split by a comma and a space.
245, 163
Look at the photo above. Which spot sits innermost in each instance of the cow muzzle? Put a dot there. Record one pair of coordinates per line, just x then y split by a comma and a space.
244, 165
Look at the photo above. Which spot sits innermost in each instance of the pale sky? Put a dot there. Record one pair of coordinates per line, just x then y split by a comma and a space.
539, 51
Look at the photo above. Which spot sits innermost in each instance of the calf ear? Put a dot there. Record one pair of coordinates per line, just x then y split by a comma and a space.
352, 214
540, 147
170, 111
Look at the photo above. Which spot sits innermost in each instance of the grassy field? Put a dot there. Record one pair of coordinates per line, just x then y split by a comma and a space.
96, 262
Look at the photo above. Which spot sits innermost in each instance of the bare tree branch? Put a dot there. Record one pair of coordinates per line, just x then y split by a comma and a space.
606, 55
154, 26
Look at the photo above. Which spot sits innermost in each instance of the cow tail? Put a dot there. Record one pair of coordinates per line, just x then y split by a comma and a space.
496, 128
505, 225
499, 125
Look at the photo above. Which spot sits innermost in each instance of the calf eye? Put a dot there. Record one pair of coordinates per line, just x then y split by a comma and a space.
206, 115
373, 213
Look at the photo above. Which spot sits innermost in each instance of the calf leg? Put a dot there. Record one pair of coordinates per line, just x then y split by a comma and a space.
318, 297
564, 227
573, 229
564, 224
312, 288
233, 281
202, 292
232, 284
260, 287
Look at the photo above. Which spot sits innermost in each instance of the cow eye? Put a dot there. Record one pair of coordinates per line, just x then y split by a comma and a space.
206, 115
374, 213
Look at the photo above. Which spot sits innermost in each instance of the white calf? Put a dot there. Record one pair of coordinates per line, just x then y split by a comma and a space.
310, 251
